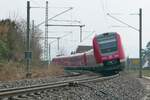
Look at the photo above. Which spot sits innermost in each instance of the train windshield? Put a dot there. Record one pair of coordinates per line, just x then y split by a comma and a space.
108, 44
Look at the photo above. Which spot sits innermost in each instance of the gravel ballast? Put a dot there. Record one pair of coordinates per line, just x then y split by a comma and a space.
124, 87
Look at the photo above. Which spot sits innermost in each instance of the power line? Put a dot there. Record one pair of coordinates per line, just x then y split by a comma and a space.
67, 21
122, 22
102, 5
53, 37
106, 6
60, 7
85, 38
50, 7
104, 12
55, 16
35, 2
60, 31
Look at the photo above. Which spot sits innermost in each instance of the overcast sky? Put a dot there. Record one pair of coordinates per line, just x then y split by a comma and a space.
92, 13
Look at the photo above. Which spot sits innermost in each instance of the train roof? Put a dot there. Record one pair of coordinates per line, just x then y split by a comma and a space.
106, 34
73, 55
83, 48
76, 54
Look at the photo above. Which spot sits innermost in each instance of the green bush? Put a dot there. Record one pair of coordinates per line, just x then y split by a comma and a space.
3, 50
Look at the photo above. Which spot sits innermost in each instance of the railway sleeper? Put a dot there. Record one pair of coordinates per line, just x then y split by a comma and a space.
23, 96
31, 95
73, 84
4, 98
18, 98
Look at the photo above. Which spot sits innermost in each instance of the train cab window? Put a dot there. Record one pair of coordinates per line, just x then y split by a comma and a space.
108, 47
107, 43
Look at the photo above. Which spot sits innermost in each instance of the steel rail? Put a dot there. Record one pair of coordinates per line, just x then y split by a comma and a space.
34, 88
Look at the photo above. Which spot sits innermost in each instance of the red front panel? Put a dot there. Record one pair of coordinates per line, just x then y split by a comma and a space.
119, 54
120, 48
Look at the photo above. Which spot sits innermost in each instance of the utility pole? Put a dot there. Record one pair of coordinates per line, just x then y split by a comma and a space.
28, 52
58, 38
140, 39
81, 33
49, 53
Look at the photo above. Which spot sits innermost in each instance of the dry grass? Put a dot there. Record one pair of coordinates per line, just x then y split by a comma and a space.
16, 71
10, 71
51, 70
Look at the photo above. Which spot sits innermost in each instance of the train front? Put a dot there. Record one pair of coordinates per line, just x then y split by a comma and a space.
108, 51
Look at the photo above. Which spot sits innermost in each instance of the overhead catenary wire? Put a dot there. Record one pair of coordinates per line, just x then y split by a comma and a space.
51, 7
38, 3
53, 37
35, 1
122, 22
104, 10
55, 16
85, 38
66, 20
102, 5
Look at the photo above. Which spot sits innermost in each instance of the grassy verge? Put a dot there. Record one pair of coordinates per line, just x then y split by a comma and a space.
51, 70
145, 72
17, 71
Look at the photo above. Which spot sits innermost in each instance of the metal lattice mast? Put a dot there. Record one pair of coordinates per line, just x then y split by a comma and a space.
46, 34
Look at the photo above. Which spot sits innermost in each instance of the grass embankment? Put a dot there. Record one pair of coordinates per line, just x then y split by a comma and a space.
17, 71
145, 72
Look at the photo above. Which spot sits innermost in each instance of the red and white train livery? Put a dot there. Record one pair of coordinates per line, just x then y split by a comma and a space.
107, 55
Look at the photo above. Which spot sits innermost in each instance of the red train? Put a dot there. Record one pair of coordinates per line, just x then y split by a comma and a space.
107, 55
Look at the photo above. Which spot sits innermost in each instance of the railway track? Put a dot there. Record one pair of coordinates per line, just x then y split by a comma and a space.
13, 92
